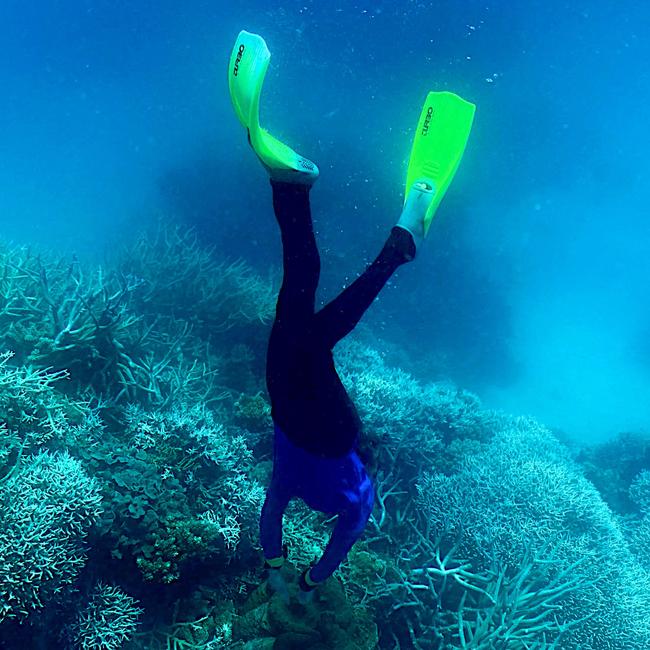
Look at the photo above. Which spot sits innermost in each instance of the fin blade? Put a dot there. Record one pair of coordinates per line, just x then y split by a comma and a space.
442, 132
249, 62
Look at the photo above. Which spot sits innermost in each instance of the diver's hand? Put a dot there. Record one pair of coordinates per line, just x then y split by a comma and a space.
306, 588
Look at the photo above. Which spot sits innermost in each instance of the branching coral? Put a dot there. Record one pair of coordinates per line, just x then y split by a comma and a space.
638, 528
168, 376
410, 423
55, 314
515, 607
107, 620
137, 332
305, 533
614, 464
32, 412
210, 459
525, 493
446, 603
486, 534
176, 481
210, 628
46, 511
181, 279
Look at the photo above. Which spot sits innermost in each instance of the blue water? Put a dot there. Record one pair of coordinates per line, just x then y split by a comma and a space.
533, 283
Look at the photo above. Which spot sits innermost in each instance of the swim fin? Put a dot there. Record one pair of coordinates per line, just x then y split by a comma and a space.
249, 62
442, 133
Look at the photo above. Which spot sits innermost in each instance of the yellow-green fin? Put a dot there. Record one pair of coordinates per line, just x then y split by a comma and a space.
442, 133
249, 62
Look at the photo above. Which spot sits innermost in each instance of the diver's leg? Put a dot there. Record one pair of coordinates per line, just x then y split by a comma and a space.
301, 261
339, 317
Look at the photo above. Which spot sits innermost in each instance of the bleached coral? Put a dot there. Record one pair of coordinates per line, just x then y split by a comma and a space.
180, 278
640, 491
192, 443
405, 416
524, 495
106, 621
46, 512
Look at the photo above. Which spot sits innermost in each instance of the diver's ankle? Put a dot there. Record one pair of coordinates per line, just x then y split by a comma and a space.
415, 210
403, 241
306, 175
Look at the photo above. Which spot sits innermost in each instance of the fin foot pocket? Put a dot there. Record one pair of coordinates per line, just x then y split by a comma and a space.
418, 202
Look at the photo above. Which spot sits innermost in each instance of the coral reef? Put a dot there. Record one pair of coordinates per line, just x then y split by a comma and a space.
106, 621
46, 512
612, 466
524, 495
136, 441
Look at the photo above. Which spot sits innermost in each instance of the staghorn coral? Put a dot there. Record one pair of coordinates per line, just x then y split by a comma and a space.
46, 511
524, 494
437, 600
406, 420
169, 371
56, 313
136, 330
106, 621
305, 533
32, 412
188, 301
179, 278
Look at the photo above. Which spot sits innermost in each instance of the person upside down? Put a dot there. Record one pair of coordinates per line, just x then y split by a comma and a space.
316, 425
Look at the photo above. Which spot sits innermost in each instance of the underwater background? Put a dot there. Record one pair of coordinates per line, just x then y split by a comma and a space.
503, 378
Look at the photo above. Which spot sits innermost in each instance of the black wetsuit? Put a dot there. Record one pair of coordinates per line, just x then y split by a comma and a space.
308, 399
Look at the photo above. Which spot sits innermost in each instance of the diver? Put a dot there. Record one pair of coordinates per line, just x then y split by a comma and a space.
316, 426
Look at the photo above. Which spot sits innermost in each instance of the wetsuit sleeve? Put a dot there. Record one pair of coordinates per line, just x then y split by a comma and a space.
349, 527
339, 317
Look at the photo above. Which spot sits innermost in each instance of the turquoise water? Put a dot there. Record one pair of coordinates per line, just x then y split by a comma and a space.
530, 297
